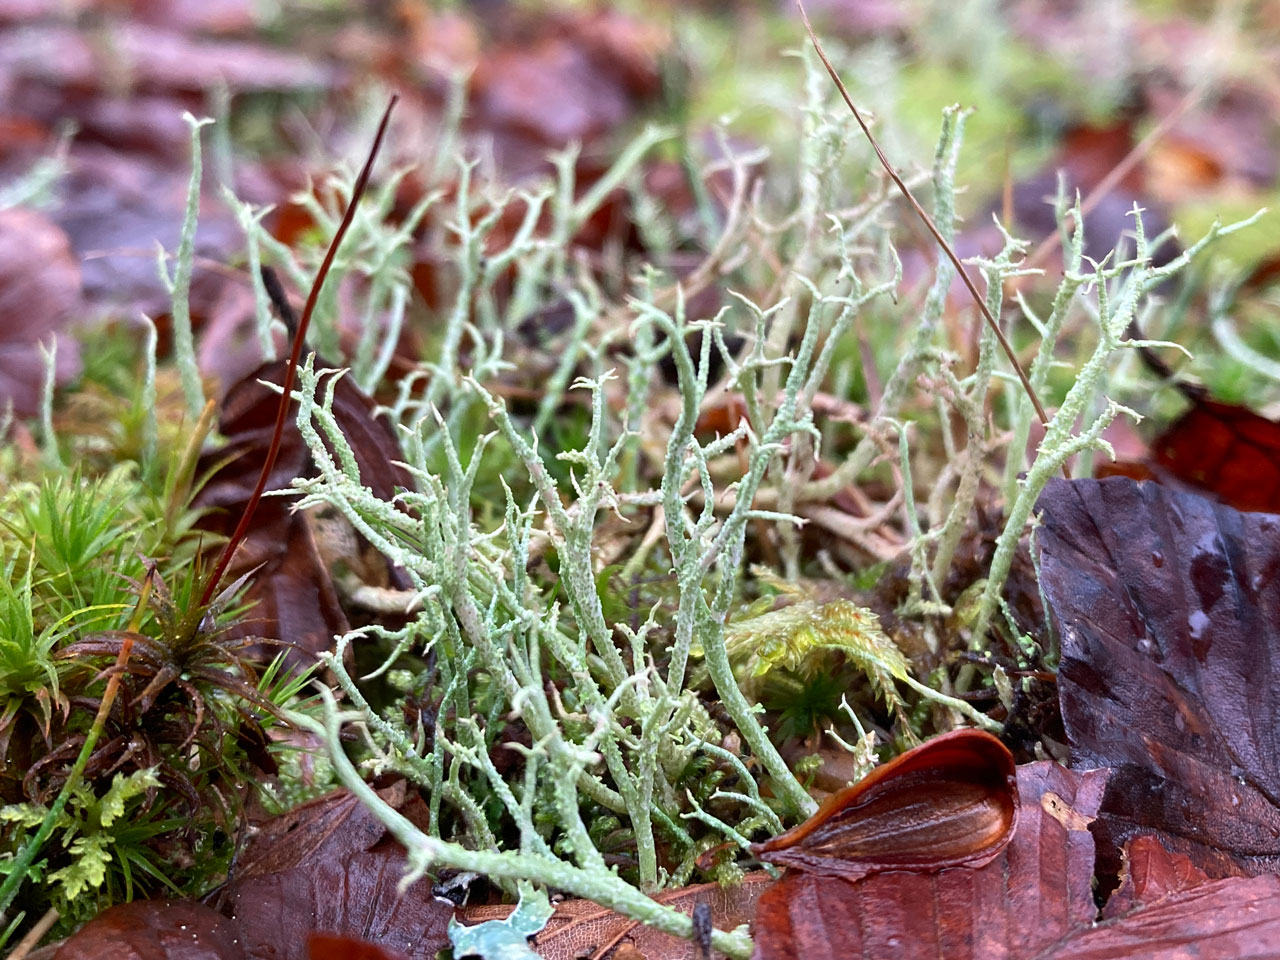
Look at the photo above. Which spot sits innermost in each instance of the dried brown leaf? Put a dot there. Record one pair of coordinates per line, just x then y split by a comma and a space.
580, 928
155, 930
330, 867
1034, 893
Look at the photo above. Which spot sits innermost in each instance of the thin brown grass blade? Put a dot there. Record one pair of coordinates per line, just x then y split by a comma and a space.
299, 338
926, 220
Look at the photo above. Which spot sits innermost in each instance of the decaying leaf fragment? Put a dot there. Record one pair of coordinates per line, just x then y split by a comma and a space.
580, 928
949, 801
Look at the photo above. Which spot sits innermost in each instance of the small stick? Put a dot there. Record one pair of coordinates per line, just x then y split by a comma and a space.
28, 943
927, 221
299, 337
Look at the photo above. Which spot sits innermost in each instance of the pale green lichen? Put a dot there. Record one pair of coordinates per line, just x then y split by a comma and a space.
610, 706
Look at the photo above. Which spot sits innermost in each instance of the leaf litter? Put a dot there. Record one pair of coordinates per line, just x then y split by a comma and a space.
1165, 653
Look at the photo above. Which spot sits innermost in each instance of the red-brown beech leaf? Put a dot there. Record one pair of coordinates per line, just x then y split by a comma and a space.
329, 867
155, 930
1225, 451
1165, 911
329, 946
1168, 606
1230, 451
1034, 901
1151, 874
951, 800
1031, 896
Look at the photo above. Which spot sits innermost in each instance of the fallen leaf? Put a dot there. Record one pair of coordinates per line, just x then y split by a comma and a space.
951, 800
1218, 920
155, 930
39, 296
1033, 894
1168, 606
1151, 874
116, 208
561, 79
330, 867
1225, 450
1226, 141
293, 589
146, 57
329, 946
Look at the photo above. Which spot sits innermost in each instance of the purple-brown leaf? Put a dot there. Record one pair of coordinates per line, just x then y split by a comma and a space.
330, 867
1168, 606
39, 295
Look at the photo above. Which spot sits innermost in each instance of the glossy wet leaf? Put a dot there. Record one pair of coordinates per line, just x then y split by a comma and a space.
1231, 452
1036, 890
951, 800
155, 930
1168, 607
330, 946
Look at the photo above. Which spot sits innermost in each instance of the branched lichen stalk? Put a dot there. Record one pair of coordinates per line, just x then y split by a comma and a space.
593, 882
180, 286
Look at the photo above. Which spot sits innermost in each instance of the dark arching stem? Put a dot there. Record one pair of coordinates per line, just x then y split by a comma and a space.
299, 337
